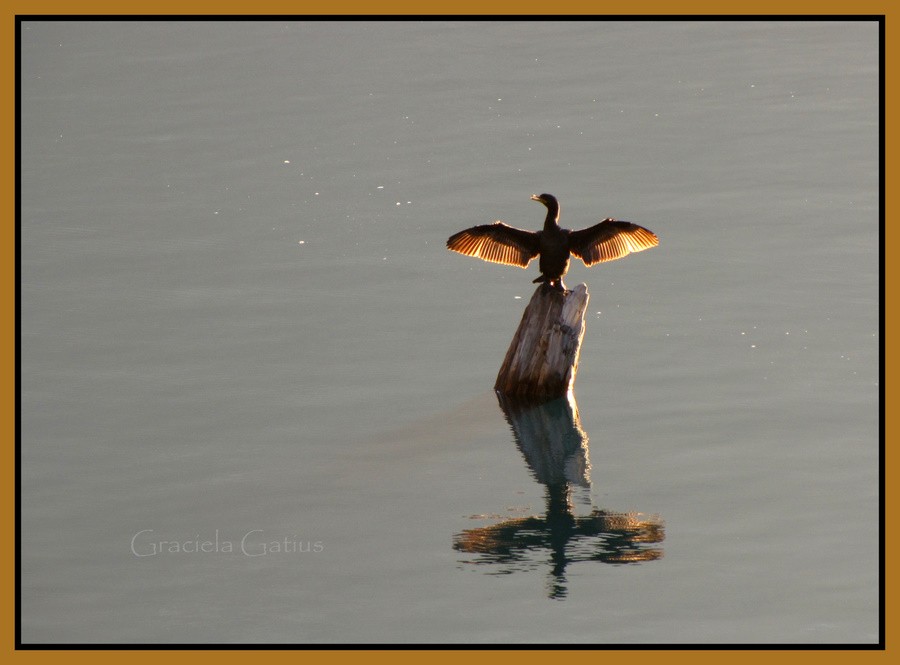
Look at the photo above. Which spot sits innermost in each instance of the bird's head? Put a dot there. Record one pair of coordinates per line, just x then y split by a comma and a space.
547, 199
550, 201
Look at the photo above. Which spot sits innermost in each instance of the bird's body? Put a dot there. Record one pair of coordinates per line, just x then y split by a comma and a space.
501, 243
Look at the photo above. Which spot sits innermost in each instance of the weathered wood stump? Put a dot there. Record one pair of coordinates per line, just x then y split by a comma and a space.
542, 359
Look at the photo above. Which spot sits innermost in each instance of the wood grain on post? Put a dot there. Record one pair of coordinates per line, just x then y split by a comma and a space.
542, 359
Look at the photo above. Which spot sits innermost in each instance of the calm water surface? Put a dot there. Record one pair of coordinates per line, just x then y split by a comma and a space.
256, 388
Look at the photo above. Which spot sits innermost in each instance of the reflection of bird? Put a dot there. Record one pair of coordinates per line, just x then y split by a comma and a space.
501, 243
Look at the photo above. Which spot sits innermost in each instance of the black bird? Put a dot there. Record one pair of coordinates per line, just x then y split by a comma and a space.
501, 243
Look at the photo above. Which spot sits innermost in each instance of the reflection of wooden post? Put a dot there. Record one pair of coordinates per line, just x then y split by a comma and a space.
550, 437
543, 357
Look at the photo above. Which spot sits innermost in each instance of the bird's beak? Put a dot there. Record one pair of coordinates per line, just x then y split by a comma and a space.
535, 197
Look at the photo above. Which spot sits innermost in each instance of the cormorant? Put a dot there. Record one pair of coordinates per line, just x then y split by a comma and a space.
501, 243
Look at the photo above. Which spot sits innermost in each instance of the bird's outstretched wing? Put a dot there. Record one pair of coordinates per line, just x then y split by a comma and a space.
610, 240
497, 242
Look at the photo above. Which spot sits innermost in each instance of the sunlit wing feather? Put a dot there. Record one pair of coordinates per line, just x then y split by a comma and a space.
498, 243
610, 240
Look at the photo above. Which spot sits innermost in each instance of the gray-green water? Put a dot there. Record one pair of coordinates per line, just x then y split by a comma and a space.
240, 324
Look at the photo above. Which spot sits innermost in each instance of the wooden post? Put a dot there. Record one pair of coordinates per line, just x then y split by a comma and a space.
542, 359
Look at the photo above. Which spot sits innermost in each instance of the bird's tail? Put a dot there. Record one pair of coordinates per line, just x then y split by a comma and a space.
542, 278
